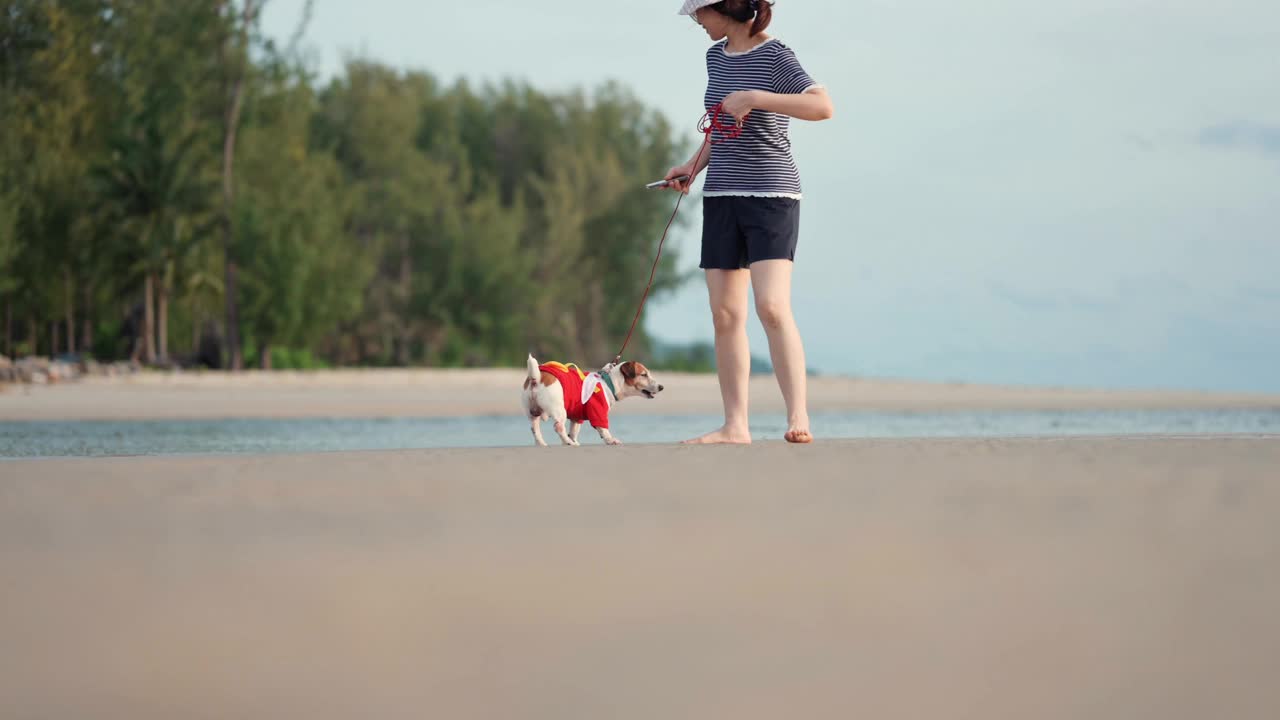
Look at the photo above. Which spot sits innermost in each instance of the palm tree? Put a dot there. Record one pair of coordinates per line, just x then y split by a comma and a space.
159, 183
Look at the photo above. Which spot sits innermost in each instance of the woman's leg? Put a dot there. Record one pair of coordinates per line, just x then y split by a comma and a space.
771, 281
728, 294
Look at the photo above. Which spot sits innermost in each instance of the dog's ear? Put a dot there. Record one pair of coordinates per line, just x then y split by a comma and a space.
628, 370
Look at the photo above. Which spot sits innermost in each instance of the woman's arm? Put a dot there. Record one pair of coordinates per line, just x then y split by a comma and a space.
702, 156
812, 104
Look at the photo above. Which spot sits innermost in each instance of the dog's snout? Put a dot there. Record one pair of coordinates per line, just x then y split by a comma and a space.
659, 388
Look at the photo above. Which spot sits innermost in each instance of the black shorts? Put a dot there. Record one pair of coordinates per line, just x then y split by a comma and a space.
738, 230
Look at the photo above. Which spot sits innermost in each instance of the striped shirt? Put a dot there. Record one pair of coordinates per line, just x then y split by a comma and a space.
758, 162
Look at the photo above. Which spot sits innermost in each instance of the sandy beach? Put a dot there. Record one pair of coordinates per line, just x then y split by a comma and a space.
1069, 578
459, 393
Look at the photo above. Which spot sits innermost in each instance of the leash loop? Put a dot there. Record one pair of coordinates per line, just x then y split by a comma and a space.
710, 123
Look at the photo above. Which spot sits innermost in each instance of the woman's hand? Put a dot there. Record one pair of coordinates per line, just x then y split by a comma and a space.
680, 171
740, 104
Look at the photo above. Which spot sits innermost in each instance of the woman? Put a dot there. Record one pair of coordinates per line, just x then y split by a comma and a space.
751, 206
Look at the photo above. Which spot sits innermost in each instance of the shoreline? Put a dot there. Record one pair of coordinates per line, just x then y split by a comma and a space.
441, 393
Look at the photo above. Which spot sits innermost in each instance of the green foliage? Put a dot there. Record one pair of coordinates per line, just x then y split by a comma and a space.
694, 357
296, 359
9, 244
381, 219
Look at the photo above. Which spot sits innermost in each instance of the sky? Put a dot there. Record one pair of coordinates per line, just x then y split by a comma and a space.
1080, 194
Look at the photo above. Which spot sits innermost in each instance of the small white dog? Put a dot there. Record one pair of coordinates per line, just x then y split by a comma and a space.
570, 397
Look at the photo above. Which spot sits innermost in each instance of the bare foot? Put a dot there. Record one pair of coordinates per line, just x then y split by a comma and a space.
722, 436
798, 432
799, 437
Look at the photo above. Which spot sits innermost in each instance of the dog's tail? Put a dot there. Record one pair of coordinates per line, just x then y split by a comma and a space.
534, 372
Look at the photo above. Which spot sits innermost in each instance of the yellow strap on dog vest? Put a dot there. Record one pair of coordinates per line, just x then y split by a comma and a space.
566, 367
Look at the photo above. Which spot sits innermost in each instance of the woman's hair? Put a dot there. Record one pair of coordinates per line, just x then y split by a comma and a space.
745, 10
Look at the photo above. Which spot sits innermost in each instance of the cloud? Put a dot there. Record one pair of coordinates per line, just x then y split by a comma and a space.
1242, 136
1269, 295
1138, 141
1057, 300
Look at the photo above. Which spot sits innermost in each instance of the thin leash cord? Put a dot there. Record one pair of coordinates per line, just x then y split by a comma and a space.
710, 122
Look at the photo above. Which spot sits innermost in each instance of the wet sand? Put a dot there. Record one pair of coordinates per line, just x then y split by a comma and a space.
454, 393
1069, 578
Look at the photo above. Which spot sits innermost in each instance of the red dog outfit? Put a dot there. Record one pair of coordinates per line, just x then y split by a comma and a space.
596, 408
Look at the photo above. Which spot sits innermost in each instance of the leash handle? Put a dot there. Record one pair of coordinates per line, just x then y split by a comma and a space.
710, 123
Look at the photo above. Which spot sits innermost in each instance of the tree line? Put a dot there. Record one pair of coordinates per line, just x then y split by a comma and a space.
176, 187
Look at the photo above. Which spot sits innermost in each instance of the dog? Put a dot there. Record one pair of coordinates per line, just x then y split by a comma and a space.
570, 397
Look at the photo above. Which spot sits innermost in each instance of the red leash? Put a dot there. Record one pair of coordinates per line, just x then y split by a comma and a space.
709, 124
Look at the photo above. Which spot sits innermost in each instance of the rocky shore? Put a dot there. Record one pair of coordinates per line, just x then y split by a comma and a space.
48, 371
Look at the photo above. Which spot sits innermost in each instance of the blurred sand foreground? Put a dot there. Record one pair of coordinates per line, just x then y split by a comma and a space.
948, 579
453, 393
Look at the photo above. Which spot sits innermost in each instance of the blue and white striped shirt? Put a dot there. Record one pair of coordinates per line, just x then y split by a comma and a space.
758, 162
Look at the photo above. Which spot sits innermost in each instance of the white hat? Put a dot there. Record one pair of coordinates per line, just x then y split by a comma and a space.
691, 7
